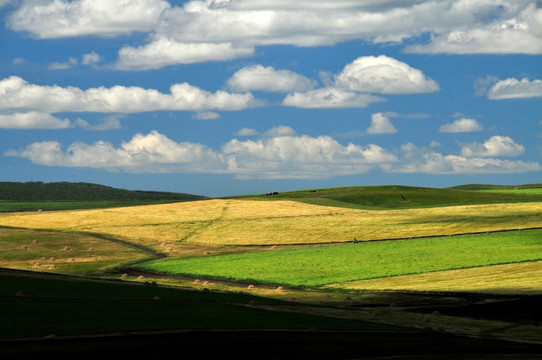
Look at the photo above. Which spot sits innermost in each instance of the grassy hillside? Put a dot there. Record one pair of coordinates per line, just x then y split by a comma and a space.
496, 187
394, 197
245, 222
66, 191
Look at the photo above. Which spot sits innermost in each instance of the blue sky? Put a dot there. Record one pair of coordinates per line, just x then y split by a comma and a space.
236, 97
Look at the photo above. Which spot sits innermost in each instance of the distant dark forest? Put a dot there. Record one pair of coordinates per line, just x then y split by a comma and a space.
67, 191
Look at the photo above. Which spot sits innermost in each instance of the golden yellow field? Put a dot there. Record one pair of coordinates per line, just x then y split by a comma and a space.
497, 279
246, 222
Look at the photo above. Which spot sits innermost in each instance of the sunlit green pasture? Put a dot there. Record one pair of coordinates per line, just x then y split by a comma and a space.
318, 266
533, 191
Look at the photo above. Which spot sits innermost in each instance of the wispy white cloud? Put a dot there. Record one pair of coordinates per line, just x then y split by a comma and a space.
19, 61
246, 132
258, 77
108, 123
206, 115
330, 98
87, 59
64, 65
481, 85
460, 126
515, 89
381, 124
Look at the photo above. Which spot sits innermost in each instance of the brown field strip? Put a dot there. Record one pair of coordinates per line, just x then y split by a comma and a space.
518, 278
245, 222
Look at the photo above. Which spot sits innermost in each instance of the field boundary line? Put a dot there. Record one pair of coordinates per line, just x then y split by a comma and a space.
396, 239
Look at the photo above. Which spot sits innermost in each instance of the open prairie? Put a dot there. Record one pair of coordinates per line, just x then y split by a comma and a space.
420, 262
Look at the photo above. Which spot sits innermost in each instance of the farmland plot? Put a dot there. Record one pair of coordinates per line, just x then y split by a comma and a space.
245, 222
317, 266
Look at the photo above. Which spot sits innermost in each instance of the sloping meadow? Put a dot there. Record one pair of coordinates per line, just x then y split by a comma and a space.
317, 266
283, 222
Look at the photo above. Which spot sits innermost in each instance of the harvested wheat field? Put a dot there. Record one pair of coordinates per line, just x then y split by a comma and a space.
524, 278
247, 222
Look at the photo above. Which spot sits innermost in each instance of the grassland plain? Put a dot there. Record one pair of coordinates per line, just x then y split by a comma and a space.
517, 191
319, 266
62, 253
20, 206
516, 278
399, 197
252, 222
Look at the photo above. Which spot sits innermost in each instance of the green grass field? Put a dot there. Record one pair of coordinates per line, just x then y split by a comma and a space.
318, 266
15, 206
396, 197
517, 191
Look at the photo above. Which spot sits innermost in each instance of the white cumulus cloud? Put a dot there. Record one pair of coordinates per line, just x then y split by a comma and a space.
515, 89
17, 95
302, 157
517, 29
367, 74
51, 19
258, 77
278, 154
381, 124
415, 159
153, 152
164, 51
494, 146
215, 30
383, 74
90, 58
32, 120
460, 126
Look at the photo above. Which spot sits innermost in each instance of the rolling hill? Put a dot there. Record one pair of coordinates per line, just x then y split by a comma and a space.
394, 197
67, 191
